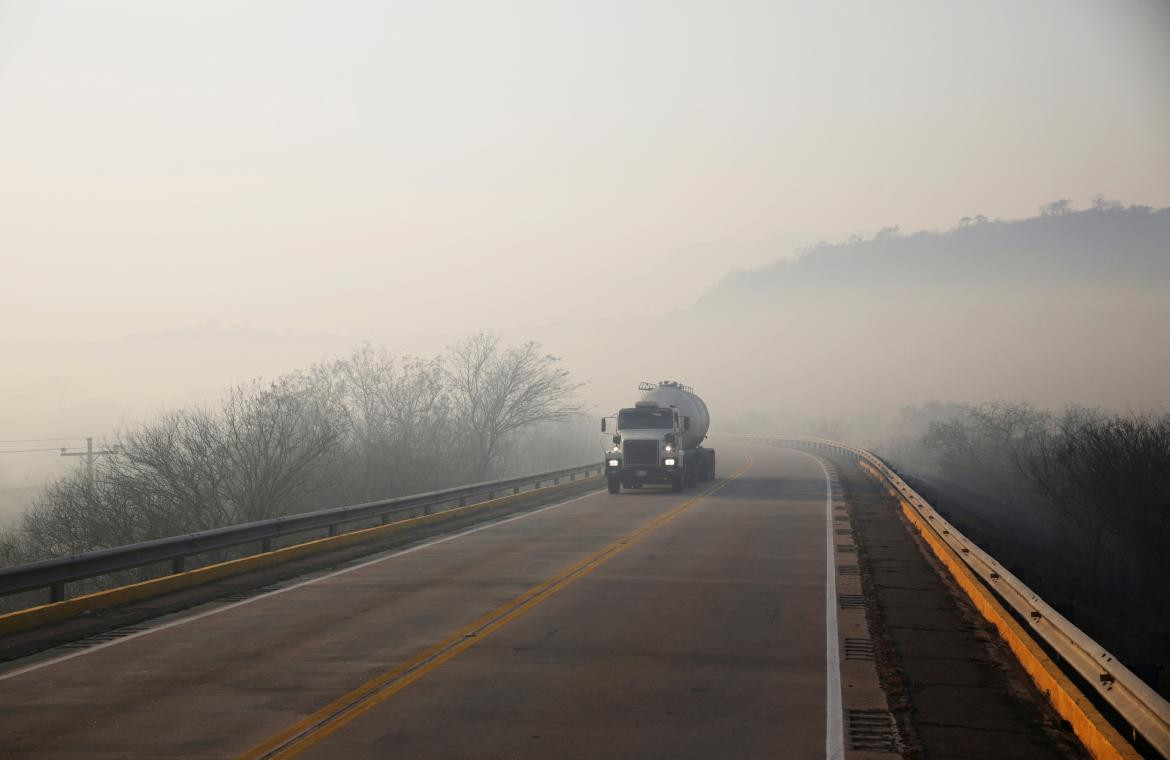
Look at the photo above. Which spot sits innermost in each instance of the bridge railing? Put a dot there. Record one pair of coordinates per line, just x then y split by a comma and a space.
1139, 705
54, 574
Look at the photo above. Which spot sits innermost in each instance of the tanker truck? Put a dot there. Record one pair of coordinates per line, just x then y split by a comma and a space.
659, 440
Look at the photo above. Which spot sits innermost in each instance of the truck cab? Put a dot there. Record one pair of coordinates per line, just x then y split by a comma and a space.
645, 447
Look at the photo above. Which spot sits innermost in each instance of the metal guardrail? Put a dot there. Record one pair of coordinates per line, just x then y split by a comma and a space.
55, 573
1143, 708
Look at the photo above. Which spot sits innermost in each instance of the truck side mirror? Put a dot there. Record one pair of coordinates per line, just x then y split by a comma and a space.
603, 424
617, 439
686, 423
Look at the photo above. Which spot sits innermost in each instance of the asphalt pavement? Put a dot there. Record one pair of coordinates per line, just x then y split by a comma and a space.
646, 624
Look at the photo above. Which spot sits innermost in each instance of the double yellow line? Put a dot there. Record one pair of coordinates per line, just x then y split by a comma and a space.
337, 714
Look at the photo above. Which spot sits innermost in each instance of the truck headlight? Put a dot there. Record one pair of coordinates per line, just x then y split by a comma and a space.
668, 462
614, 463
668, 448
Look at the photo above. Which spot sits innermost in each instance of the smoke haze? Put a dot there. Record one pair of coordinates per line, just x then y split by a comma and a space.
194, 196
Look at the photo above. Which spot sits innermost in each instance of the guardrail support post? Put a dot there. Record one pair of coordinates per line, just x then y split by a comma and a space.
179, 564
57, 592
556, 481
516, 490
491, 495
333, 530
386, 518
572, 477
463, 501
266, 545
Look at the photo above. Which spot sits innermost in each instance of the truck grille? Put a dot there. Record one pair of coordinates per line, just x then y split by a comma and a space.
641, 452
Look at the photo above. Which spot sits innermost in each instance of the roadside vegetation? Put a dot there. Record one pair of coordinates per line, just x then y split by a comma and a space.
367, 426
1076, 503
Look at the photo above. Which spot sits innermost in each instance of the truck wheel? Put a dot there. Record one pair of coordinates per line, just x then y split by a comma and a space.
676, 483
692, 480
711, 466
615, 485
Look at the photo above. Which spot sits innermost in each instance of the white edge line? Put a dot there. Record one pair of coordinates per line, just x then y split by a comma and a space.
834, 720
182, 621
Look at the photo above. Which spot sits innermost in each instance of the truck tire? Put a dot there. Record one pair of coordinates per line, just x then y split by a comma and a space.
711, 466
692, 479
615, 485
676, 483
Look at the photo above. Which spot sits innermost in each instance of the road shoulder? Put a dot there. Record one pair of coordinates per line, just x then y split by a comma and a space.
953, 686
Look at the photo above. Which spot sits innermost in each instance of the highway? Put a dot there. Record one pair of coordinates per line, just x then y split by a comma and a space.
647, 624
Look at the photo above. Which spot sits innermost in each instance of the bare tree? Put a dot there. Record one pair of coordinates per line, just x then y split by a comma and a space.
986, 441
1109, 476
267, 451
367, 426
279, 444
11, 552
398, 432
553, 445
498, 391
1050, 466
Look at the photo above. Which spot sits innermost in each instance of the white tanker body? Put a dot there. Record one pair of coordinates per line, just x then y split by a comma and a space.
688, 404
660, 440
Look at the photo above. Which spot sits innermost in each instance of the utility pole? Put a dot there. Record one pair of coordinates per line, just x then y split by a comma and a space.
90, 454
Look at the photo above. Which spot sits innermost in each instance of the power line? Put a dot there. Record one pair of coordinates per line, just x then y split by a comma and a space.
45, 440
91, 454
25, 451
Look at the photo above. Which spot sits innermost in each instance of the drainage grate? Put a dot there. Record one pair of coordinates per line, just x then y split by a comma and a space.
851, 601
859, 649
871, 731
118, 633
242, 595
848, 569
104, 637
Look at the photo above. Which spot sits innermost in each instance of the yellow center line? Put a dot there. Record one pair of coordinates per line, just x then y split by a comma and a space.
333, 716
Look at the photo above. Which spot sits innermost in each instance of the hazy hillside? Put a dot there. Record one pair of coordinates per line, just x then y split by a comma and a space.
1066, 307
1107, 243
1070, 306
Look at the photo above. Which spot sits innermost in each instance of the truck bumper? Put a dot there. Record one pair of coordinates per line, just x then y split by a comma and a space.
643, 473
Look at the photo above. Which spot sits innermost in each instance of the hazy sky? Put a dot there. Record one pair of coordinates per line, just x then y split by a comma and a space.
335, 165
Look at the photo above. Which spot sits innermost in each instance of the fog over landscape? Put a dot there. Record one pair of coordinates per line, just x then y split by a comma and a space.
810, 214
1068, 307
670, 378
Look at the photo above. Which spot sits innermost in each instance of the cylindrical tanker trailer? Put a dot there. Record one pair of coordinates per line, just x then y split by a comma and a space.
660, 440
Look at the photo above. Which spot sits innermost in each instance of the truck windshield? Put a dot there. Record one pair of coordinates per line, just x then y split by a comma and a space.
640, 419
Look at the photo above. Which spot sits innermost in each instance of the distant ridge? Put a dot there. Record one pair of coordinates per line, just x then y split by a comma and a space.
1106, 243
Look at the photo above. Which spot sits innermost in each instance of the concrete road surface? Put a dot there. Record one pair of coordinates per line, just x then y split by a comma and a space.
647, 624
